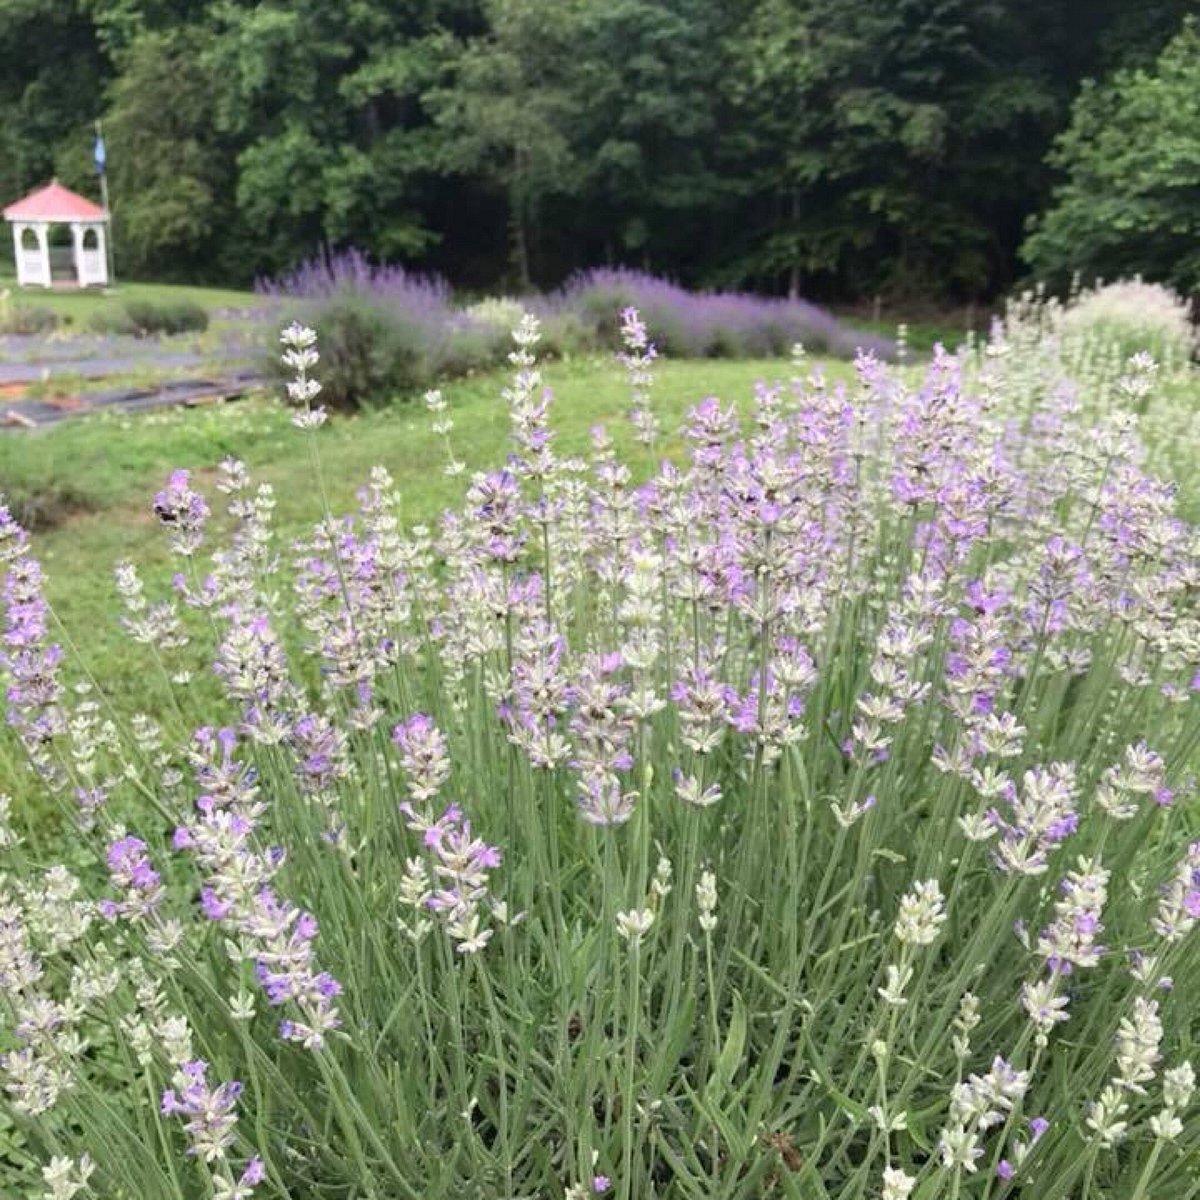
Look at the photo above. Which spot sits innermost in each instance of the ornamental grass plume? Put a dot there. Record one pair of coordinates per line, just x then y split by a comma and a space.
813, 815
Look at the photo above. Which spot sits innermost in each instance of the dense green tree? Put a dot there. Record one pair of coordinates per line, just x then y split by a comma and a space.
896, 145
648, 76
170, 173
835, 147
1130, 197
51, 87
505, 112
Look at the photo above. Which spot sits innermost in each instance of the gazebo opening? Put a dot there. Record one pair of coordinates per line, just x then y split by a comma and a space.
63, 271
59, 239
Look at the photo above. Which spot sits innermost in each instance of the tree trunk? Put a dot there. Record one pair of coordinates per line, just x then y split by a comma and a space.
516, 210
794, 273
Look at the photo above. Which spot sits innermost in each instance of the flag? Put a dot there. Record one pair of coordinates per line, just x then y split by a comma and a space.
100, 155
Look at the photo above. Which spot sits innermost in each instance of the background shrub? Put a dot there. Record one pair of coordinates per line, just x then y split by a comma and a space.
24, 319
407, 329
145, 318
1134, 317
687, 324
368, 352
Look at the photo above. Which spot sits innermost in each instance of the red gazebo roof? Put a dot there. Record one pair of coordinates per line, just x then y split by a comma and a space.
54, 203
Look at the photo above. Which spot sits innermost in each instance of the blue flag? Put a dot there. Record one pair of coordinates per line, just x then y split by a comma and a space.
100, 154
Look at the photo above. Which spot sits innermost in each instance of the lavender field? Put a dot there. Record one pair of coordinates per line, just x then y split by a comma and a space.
797, 800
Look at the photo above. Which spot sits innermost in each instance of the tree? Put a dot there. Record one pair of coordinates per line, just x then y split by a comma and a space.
170, 173
1129, 201
50, 88
647, 79
505, 108
894, 146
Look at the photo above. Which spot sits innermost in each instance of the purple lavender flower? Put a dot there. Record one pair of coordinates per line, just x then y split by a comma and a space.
461, 865
209, 1113
238, 892
424, 755
495, 502
1041, 815
182, 512
34, 691
129, 869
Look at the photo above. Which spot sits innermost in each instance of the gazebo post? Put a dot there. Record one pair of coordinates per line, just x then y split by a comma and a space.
91, 262
42, 229
77, 253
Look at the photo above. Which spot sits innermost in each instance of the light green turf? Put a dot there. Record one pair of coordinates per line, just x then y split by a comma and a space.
76, 307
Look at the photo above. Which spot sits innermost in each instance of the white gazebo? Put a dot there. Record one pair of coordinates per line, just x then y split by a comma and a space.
32, 218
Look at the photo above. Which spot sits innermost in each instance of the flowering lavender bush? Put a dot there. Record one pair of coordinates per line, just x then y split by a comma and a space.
813, 818
1099, 369
1137, 317
710, 325
387, 331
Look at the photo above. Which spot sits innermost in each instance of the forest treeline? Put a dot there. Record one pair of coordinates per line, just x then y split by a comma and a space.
836, 148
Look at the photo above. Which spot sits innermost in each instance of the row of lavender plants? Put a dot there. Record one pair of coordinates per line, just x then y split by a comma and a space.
814, 818
387, 331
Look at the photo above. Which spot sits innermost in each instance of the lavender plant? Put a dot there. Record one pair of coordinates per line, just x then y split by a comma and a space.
814, 817
708, 324
387, 331
1119, 355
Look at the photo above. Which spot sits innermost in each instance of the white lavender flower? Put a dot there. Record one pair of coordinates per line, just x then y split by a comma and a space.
706, 901
922, 914
634, 924
67, 1177
897, 1184
1106, 1116
898, 979
1138, 1039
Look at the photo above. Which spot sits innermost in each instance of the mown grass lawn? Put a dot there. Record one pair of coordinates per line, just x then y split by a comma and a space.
87, 484
75, 307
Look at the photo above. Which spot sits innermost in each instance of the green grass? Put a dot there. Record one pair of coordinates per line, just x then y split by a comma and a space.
77, 307
90, 480
949, 332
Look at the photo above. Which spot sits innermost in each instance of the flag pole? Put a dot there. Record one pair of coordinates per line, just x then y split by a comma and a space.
101, 157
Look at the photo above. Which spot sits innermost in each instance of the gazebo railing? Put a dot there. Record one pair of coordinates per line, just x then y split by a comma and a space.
32, 266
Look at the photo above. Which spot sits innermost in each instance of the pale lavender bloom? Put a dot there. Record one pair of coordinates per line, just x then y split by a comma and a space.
638, 357
277, 934
495, 503
208, 1113
31, 661
183, 512
424, 755
130, 869
1040, 815
1070, 940
461, 866
14, 540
